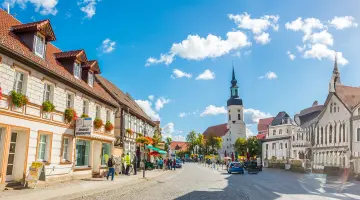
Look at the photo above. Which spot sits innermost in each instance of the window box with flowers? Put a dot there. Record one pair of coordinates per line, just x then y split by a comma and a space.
98, 123
129, 131
70, 115
47, 108
109, 126
18, 100
84, 116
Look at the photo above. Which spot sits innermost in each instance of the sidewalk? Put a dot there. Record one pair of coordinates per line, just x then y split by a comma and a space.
78, 188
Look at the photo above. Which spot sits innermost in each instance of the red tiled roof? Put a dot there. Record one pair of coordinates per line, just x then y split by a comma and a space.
43, 26
177, 145
350, 96
261, 136
10, 42
264, 124
92, 64
218, 130
68, 54
124, 99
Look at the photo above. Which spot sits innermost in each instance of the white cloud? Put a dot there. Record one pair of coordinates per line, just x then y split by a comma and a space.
151, 97
107, 46
88, 7
343, 22
307, 25
301, 49
322, 37
199, 48
256, 25
206, 75
262, 38
291, 56
249, 133
168, 129
252, 116
160, 102
179, 74
182, 114
213, 110
146, 106
321, 51
45, 7
270, 75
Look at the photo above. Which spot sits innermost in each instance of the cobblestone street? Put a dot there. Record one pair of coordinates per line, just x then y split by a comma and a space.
199, 182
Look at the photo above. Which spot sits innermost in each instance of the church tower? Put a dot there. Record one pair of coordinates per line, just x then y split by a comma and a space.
335, 78
235, 108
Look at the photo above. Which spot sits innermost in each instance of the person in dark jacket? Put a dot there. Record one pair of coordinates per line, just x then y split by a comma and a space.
174, 163
111, 164
135, 163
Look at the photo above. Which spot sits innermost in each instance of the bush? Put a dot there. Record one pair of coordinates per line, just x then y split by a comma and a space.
109, 126
98, 123
48, 106
84, 115
18, 99
70, 115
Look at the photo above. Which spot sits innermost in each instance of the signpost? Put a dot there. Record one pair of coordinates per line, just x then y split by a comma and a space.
36, 172
83, 126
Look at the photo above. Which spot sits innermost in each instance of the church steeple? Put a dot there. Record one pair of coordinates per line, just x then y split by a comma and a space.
234, 91
335, 78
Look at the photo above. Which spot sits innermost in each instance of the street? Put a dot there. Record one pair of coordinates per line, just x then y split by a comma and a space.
196, 181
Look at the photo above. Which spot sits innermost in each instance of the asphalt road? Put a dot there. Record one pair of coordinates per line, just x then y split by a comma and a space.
198, 182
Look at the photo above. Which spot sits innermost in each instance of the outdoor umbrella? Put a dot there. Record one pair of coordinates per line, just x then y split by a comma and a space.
154, 153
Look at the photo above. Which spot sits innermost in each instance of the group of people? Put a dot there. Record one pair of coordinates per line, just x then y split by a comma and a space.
125, 166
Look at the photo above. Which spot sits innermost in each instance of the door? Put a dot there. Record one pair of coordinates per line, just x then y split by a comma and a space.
11, 158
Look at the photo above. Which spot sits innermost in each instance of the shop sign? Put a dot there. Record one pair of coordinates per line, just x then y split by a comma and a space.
83, 126
36, 172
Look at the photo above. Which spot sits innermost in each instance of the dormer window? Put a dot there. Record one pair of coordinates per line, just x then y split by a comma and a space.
39, 45
77, 69
91, 79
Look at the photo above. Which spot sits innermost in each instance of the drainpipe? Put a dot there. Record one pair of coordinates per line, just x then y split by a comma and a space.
351, 135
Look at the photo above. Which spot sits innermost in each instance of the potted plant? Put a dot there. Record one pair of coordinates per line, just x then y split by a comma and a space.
98, 123
84, 115
47, 106
19, 100
70, 115
129, 131
109, 126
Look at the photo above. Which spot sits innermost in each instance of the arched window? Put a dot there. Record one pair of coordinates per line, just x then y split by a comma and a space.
331, 106
318, 136
326, 134
330, 134
285, 145
343, 132
281, 147
335, 127
335, 107
280, 131
322, 135
274, 132
239, 117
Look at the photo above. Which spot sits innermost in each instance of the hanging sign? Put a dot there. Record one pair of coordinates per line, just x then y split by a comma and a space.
83, 126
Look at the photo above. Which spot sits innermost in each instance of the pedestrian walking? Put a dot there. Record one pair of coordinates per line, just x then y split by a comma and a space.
111, 164
127, 162
161, 163
123, 164
135, 164
169, 163
174, 164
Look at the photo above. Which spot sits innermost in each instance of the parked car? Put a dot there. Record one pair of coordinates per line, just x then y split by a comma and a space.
235, 167
253, 167
178, 163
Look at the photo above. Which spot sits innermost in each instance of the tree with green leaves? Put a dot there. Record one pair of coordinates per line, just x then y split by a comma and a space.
191, 138
254, 146
214, 143
200, 143
241, 146
157, 137
167, 143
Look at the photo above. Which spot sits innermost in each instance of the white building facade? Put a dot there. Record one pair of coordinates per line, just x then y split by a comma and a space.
32, 67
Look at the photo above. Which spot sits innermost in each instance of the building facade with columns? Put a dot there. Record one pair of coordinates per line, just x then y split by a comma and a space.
35, 73
235, 127
337, 131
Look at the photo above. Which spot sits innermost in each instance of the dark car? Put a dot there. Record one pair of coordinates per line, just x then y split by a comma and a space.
178, 163
235, 167
253, 167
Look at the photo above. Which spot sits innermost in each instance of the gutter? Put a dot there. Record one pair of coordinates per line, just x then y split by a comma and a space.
18, 57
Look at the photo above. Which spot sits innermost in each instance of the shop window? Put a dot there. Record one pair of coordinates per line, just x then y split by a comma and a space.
82, 153
105, 153
44, 147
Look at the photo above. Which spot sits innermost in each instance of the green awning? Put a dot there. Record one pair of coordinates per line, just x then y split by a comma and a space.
156, 149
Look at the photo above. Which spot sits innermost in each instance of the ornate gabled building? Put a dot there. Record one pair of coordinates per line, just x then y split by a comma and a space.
235, 127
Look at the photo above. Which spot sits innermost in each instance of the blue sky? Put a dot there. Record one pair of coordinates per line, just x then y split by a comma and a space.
259, 37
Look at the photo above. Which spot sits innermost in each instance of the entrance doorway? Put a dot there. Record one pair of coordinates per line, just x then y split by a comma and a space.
10, 165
